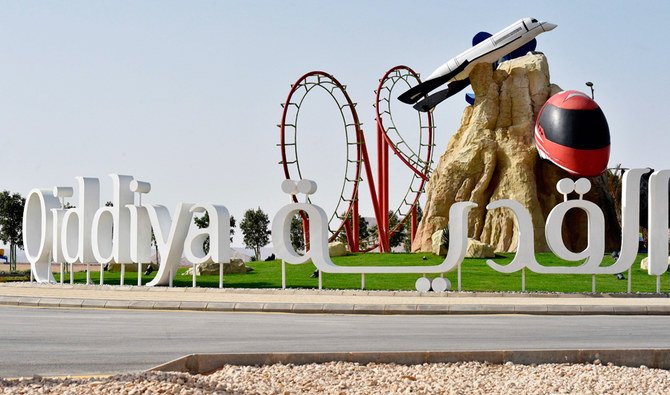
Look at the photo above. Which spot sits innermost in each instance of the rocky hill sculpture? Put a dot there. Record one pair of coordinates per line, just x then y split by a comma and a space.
492, 156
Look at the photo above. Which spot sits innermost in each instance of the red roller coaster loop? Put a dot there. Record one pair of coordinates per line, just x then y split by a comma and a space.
357, 155
388, 135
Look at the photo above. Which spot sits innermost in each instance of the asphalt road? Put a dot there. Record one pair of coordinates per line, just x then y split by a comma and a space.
60, 341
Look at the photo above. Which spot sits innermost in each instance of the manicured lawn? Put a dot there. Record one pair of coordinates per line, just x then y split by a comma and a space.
6, 277
476, 276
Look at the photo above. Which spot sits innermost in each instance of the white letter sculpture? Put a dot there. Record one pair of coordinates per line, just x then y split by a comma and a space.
109, 234
170, 236
120, 233
658, 222
38, 232
75, 235
594, 252
318, 234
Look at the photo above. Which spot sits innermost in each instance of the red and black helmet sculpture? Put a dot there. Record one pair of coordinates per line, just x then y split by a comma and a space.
571, 131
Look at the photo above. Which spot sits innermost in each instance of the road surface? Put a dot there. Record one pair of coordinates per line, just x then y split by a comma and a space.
85, 341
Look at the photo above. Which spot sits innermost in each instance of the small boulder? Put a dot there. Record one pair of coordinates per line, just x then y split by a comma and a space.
477, 249
438, 247
337, 248
644, 264
234, 267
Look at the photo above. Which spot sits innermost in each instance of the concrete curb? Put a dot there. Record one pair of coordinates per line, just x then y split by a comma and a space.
332, 308
352, 292
207, 363
328, 301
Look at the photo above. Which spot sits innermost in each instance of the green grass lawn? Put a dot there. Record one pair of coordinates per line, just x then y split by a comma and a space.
476, 276
6, 277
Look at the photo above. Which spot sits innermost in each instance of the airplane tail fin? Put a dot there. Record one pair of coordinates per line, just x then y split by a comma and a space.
416, 92
433, 100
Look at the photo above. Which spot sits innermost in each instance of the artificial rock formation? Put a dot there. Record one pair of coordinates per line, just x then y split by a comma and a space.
477, 249
492, 156
235, 266
337, 248
644, 263
437, 243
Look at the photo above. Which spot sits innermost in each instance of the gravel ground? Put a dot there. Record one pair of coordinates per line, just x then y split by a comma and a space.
352, 378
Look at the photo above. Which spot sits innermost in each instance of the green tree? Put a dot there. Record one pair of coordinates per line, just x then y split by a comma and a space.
408, 240
363, 233
11, 223
419, 213
154, 244
297, 233
203, 222
255, 230
396, 239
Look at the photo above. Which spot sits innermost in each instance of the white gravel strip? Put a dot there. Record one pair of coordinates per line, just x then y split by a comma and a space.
353, 378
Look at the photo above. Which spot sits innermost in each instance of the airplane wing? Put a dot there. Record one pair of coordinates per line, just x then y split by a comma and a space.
433, 100
416, 92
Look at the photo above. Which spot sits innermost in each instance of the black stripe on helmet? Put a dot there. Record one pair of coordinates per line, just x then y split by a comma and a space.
579, 129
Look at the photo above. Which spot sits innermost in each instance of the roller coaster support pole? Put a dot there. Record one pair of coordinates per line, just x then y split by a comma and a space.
415, 220
383, 192
348, 232
355, 247
373, 192
305, 229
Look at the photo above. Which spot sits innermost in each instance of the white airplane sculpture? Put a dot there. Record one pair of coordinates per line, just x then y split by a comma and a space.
513, 41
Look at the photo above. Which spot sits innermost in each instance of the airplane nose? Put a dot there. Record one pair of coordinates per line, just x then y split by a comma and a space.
546, 26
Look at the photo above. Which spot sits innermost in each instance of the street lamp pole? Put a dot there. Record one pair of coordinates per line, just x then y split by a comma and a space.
590, 85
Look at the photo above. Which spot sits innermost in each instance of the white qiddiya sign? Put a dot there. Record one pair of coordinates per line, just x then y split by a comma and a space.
525, 256
122, 233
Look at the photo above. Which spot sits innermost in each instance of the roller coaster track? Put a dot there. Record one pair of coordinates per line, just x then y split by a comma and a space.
345, 215
388, 135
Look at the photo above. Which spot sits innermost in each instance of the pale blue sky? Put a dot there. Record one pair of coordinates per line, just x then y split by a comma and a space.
186, 94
